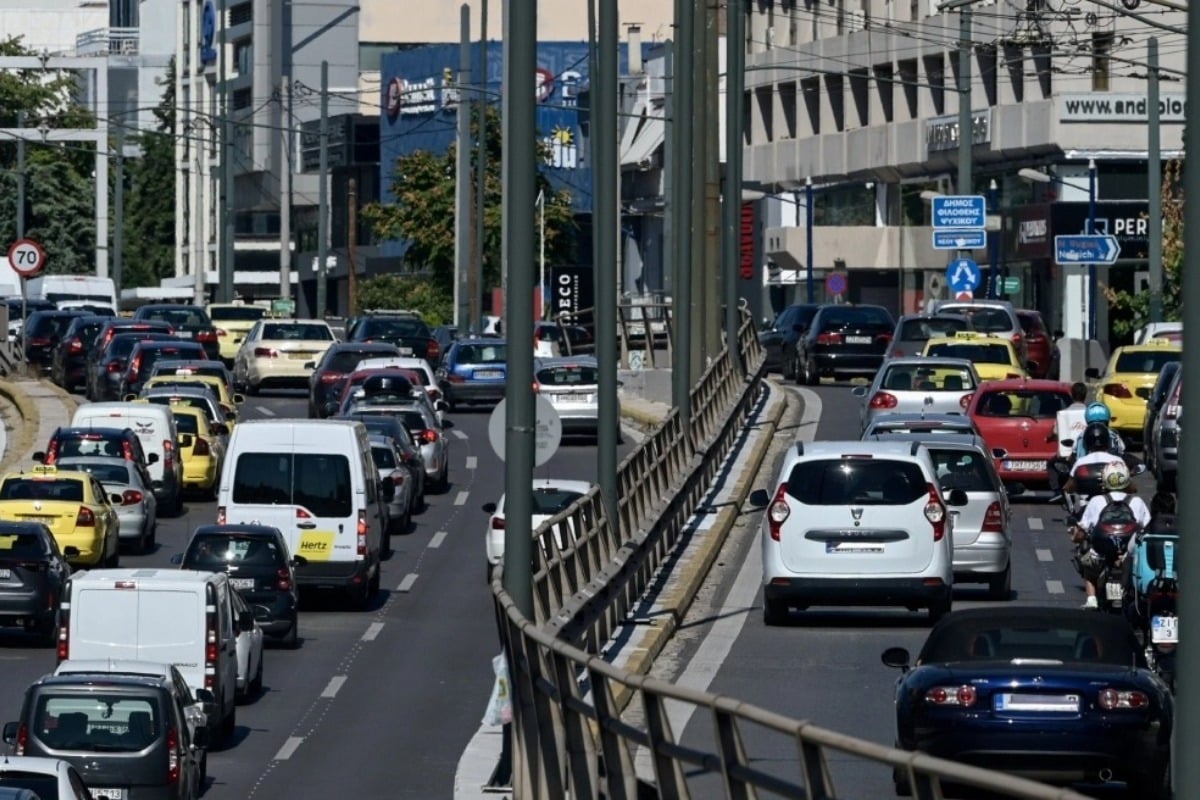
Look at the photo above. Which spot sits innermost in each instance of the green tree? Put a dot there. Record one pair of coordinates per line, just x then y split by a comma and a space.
423, 211
150, 197
1131, 310
405, 291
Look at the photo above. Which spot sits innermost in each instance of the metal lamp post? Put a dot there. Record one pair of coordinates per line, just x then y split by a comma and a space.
808, 235
993, 245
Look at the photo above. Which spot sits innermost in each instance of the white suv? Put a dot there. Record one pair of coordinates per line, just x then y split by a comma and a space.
857, 523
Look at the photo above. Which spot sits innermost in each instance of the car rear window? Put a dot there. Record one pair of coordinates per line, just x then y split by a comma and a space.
97, 722
861, 481
167, 370
1145, 360
69, 491
921, 330
963, 469
291, 332
384, 457
89, 444
975, 353
549, 501
50, 325
912, 377
219, 550
568, 375
866, 316
346, 360
22, 545
394, 328
178, 317
483, 354
187, 423
121, 346
1032, 324
1032, 635
44, 786
172, 351
319, 483
985, 319
1022, 403
237, 314
116, 472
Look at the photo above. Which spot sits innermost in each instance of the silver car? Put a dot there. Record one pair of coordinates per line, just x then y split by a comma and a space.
137, 510
426, 431
914, 330
925, 424
570, 384
390, 463
1162, 449
195, 395
918, 385
982, 528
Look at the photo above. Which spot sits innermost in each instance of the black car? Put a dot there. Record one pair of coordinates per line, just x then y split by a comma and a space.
68, 364
107, 369
329, 374
408, 332
260, 568
444, 335
16, 318
569, 339
778, 339
32, 575
114, 442
94, 373
843, 340
386, 425
41, 333
190, 322
143, 356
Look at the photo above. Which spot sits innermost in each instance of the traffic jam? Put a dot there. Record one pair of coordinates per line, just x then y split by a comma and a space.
962, 415
152, 663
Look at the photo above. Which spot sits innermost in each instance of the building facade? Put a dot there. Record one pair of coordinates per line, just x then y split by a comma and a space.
860, 97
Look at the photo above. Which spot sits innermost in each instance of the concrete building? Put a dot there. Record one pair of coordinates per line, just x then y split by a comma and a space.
860, 97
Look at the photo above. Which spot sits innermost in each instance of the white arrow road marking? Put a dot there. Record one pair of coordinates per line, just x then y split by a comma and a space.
1054, 587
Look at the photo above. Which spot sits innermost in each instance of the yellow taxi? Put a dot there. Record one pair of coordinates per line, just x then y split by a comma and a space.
1128, 380
233, 321
229, 401
201, 449
994, 356
73, 505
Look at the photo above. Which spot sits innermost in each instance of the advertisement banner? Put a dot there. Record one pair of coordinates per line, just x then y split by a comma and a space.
1115, 107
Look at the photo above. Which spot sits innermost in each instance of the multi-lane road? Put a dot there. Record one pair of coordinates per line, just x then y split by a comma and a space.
378, 703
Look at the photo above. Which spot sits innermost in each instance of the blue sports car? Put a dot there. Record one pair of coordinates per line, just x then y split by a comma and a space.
1058, 695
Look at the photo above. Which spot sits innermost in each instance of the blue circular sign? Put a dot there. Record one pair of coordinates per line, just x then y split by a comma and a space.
835, 283
208, 32
963, 275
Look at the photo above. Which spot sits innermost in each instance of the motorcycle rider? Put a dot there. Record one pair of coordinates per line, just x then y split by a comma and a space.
1069, 423
1099, 413
1116, 481
1097, 449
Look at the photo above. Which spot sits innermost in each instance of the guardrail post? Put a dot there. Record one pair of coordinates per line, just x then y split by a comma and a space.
668, 772
733, 754
620, 778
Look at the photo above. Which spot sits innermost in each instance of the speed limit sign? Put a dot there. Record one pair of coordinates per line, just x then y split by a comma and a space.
26, 257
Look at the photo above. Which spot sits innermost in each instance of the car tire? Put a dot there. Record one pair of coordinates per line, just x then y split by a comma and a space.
811, 378
939, 609
787, 367
291, 640
385, 548
1000, 584
900, 783
48, 631
114, 561
152, 538
775, 612
256, 685
229, 727
443, 480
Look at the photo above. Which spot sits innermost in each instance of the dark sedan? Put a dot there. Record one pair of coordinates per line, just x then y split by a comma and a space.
32, 575
393, 427
107, 369
408, 332
68, 364
145, 354
843, 340
329, 374
190, 322
41, 334
260, 568
778, 340
1055, 694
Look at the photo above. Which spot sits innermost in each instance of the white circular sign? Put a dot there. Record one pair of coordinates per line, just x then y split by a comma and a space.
547, 432
26, 257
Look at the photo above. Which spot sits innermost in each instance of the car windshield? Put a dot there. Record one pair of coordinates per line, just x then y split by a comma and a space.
98, 722
49, 326
319, 483
1033, 634
975, 353
919, 378
1145, 360
295, 332
236, 313
346, 360
986, 319
219, 550
568, 375
1039, 404
861, 317
884, 427
67, 491
548, 501
482, 354
963, 469
861, 481
394, 328
22, 545
384, 456
115, 472
921, 330
178, 317
44, 786
167, 369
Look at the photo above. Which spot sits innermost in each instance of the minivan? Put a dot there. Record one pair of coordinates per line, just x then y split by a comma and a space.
170, 616
155, 427
315, 481
125, 734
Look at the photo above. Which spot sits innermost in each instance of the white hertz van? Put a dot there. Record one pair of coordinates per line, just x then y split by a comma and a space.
315, 481
168, 616
155, 427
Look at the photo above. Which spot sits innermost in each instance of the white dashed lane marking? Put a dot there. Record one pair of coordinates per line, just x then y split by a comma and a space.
437, 539
335, 683
1044, 555
267, 412
289, 747
1054, 587
372, 631
459, 434
407, 583
472, 462
461, 498
1035, 524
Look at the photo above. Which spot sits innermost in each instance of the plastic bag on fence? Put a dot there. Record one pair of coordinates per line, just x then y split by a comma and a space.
499, 709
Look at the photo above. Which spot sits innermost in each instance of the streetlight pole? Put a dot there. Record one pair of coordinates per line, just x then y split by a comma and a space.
808, 238
541, 204
993, 246
1091, 225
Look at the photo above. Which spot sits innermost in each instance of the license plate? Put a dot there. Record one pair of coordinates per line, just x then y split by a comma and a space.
7, 573
106, 794
572, 398
489, 374
1053, 703
405, 351
858, 340
853, 547
1164, 630
1024, 466
180, 335
242, 583
1113, 591
299, 356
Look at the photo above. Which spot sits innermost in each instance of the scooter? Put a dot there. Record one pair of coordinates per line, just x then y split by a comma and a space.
1152, 597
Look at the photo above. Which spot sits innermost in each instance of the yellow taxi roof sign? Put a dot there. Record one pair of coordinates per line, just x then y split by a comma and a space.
974, 335
45, 469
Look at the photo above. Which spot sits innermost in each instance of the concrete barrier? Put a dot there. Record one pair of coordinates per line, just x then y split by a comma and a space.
25, 434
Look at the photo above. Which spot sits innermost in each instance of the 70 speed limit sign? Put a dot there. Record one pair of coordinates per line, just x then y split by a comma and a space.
26, 257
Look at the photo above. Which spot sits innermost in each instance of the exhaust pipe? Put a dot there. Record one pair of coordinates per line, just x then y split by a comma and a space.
1106, 775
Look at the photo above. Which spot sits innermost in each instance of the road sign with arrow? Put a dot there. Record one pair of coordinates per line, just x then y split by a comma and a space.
1086, 249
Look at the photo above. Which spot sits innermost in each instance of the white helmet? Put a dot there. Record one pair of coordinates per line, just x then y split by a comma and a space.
1115, 477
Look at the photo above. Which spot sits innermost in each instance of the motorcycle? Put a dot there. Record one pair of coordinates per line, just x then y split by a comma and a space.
1088, 483
1152, 597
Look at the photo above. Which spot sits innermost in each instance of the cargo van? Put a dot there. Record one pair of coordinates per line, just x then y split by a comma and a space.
169, 616
315, 481
155, 427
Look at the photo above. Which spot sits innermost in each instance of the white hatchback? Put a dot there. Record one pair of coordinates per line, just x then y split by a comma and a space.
550, 496
857, 524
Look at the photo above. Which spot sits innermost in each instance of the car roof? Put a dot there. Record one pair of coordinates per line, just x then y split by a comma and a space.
925, 361
365, 347
145, 573
181, 388
905, 417
1025, 383
238, 529
837, 449
564, 361
944, 441
561, 484
81, 430
107, 666
106, 679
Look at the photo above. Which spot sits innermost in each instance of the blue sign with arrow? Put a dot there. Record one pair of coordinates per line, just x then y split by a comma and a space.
963, 275
1086, 249
959, 239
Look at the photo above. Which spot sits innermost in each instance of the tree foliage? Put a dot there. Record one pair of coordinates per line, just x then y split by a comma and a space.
405, 291
1131, 310
150, 197
423, 211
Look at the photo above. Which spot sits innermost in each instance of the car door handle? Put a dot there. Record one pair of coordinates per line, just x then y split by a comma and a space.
306, 525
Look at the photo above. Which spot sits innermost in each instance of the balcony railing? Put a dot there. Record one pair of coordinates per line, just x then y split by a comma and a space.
107, 41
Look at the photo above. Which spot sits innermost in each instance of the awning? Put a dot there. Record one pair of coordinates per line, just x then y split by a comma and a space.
648, 133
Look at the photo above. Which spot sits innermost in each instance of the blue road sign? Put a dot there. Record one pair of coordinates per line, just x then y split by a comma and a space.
959, 211
963, 275
1086, 249
959, 239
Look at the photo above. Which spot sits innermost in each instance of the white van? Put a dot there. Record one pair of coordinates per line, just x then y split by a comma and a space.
170, 616
155, 427
314, 480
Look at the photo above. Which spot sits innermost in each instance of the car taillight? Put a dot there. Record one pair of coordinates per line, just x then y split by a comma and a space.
206, 336
115, 366
1172, 411
131, 497
965, 400
883, 400
897, 352
62, 649
433, 351
330, 377
1122, 699
362, 531
830, 338
168, 455
266, 352
935, 512
434, 394
1117, 390
884, 338
428, 436
452, 378
127, 451
778, 511
39, 341
86, 518
75, 347
1016, 339
210, 648
200, 447
535, 387
497, 523
993, 520
134, 366
283, 580
22, 740
221, 515
964, 696
397, 478
222, 332
172, 755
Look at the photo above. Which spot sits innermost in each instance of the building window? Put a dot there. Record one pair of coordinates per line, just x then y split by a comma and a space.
123, 14
811, 89
787, 104
835, 88
370, 55
908, 81
885, 84
1101, 50
243, 57
242, 98
241, 15
986, 57
935, 76
764, 102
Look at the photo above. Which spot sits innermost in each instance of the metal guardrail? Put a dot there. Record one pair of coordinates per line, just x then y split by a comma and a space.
108, 41
569, 737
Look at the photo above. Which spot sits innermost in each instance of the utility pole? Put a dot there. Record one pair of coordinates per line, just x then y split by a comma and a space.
285, 193
710, 278
966, 130
731, 240
323, 200
462, 176
682, 220
226, 259
21, 178
475, 278
1154, 183
119, 211
702, 173
351, 246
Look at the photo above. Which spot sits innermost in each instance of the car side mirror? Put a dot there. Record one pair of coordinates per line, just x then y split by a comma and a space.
261, 614
489, 508
759, 498
896, 657
200, 736
1031, 366
10, 732
331, 408
220, 429
957, 498
999, 452
246, 621
442, 405
1015, 489
1092, 373
239, 399
299, 561
186, 440
116, 499
39, 457
177, 558
1058, 334
71, 551
152, 458
310, 365
129, 398
859, 391
1067, 443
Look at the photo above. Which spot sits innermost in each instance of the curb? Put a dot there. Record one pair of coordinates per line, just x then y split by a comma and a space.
646, 420
26, 433
69, 400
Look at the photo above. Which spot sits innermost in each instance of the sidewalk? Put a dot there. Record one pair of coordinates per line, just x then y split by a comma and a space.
37, 408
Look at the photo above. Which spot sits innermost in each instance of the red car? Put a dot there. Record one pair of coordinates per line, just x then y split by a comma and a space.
1016, 419
1039, 344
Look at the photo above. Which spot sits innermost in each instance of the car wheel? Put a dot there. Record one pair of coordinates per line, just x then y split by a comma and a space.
229, 727
1154, 784
1000, 584
787, 367
443, 479
775, 612
386, 546
292, 640
256, 685
114, 560
939, 609
900, 782
152, 538
252, 389
48, 630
